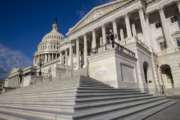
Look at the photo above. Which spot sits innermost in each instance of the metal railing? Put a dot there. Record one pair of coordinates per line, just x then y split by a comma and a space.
119, 48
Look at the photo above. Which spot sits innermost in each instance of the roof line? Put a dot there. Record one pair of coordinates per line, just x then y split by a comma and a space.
94, 8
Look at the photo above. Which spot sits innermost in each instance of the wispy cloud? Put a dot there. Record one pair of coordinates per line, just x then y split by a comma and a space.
11, 58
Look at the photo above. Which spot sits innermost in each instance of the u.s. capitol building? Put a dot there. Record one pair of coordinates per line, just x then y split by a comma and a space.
122, 50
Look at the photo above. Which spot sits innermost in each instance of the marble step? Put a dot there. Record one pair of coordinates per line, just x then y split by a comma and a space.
47, 108
36, 101
43, 102
37, 114
68, 95
148, 112
106, 91
14, 116
111, 102
52, 93
92, 88
92, 99
71, 91
70, 99
40, 91
114, 115
118, 111
85, 111
87, 95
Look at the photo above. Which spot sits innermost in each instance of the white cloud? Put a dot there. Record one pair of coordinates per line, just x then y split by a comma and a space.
11, 58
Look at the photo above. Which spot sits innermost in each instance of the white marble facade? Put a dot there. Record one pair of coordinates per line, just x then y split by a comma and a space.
147, 33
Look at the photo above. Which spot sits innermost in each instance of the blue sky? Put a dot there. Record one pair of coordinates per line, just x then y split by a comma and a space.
24, 22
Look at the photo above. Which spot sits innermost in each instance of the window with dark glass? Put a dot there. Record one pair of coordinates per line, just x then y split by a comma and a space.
158, 25
174, 19
162, 45
178, 42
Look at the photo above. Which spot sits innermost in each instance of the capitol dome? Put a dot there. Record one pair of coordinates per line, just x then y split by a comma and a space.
54, 35
48, 49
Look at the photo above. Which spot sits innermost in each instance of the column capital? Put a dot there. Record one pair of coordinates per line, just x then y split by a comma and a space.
103, 26
85, 36
126, 15
114, 19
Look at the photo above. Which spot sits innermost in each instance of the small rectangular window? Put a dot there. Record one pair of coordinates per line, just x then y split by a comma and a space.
162, 45
174, 19
178, 43
158, 25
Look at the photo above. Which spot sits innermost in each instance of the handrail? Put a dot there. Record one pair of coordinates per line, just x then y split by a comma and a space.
117, 47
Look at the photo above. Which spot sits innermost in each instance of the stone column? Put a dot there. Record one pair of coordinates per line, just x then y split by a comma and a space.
165, 27
51, 56
178, 4
85, 51
128, 27
104, 35
115, 30
60, 57
71, 55
93, 47
45, 58
77, 54
56, 55
66, 57
143, 23
122, 34
150, 41
134, 30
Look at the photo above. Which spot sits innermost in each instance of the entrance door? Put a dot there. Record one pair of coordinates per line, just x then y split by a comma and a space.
146, 70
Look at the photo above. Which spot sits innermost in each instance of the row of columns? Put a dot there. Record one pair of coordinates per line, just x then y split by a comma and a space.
131, 31
46, 57
104, 39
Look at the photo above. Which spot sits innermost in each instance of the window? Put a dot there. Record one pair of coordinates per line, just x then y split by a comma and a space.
178, 42
162, 45
158, 25
174, 19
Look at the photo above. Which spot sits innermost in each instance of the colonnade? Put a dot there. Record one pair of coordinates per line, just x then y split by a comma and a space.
46, 57
123, 34
104, 31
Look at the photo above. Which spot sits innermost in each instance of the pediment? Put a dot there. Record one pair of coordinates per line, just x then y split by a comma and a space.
97, 13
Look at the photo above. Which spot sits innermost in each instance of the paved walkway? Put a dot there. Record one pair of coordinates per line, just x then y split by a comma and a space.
171, 113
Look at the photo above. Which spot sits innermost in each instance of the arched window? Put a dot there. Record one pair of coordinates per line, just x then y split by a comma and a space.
167, 75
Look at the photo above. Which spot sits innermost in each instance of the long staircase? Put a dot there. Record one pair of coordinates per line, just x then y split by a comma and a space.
78, 99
